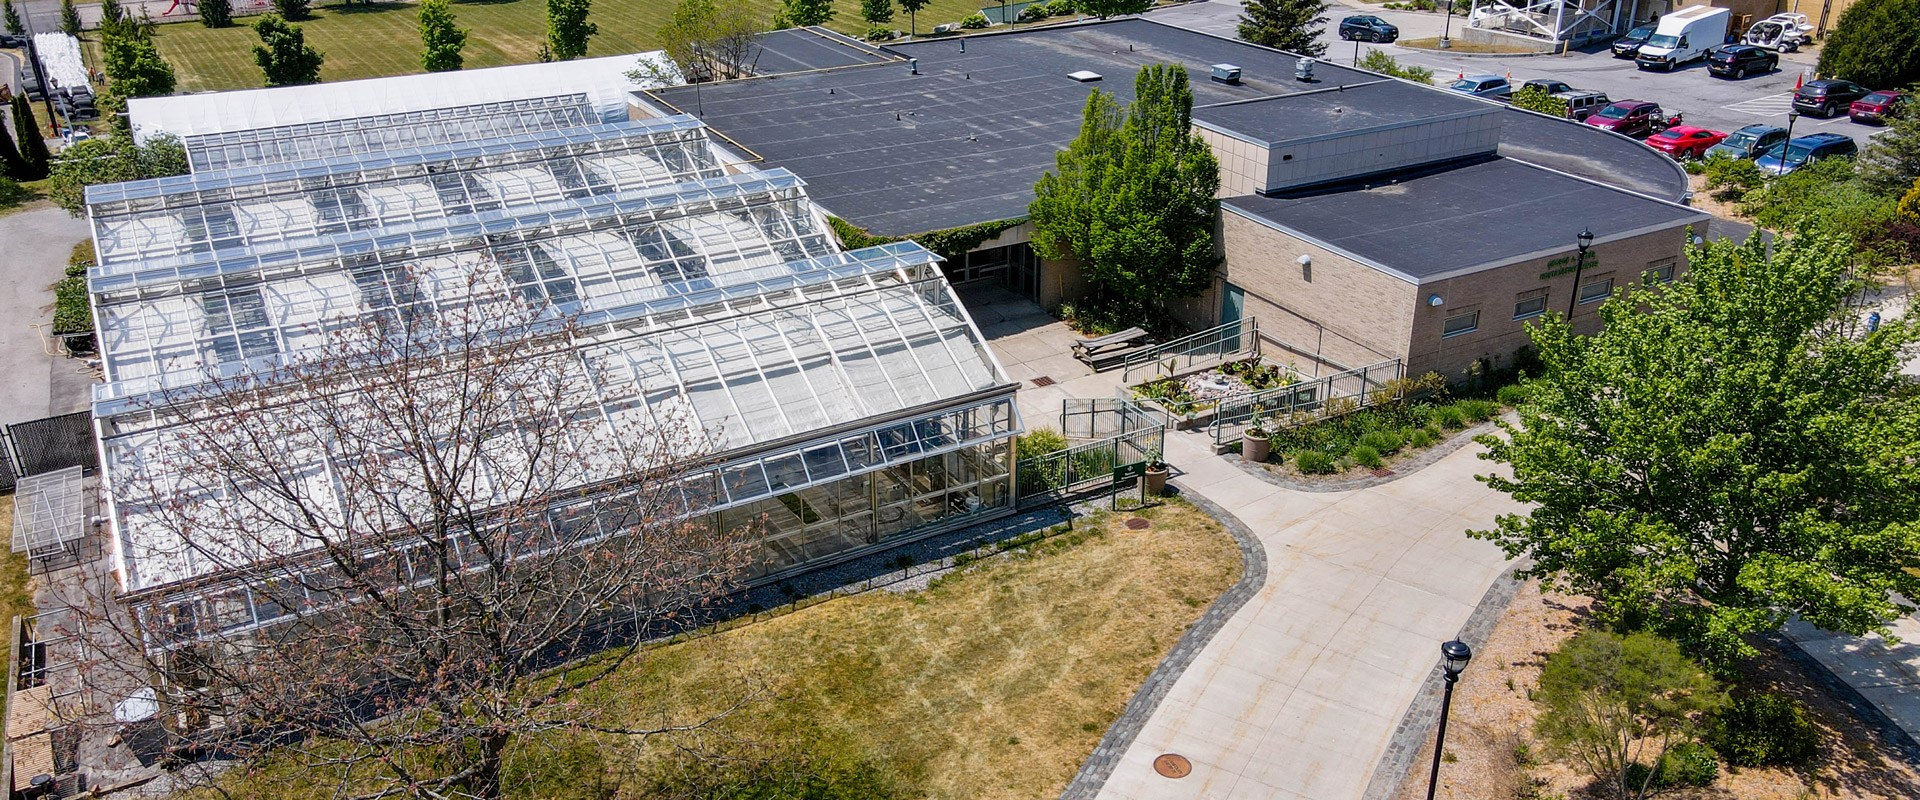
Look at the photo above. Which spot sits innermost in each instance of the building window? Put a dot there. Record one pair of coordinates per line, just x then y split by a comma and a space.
1659, 272
1530, 304
1461, 323
1596, 291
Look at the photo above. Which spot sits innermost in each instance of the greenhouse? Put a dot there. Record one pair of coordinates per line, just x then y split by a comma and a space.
848, 398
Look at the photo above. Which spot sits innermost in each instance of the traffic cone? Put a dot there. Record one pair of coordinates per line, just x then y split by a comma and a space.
1462, 75
1797, 81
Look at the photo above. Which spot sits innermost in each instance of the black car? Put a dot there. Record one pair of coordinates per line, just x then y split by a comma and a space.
1737, 61
1827, 96
1548, 86
11, 40
1370, 29
1628, 46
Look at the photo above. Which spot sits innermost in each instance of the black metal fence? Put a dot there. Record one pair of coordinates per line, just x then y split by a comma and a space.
45, 445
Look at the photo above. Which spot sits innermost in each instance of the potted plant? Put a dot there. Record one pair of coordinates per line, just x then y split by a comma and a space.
1156, 473
1254, 445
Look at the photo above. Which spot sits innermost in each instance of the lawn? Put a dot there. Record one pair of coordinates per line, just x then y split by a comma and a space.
371, 40
994, 682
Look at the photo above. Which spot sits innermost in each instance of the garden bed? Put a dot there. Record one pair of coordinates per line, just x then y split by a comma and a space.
1370, 438
1190, 398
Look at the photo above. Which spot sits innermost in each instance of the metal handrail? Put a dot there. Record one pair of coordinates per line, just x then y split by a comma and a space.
1310, 395
1244, 333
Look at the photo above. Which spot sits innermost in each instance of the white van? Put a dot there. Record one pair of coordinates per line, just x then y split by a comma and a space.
1683, 36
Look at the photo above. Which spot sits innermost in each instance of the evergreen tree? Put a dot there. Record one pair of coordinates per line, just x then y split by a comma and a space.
1135, 201
135, 66
1108, 8
801, 13
12, 165
1875, 44
1891, 160
291, 9
912, 7
216, 13
440, 40
286, 59
14, 26
568, 28
33, 146
1290, 25
876, 11
111, 12
69, 18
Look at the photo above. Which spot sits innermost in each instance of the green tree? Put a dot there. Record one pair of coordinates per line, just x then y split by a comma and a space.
440, 40
705, 40
1891, 161
1876, 43
112, 160
1135, 198
1290, 25
1534, 98
136, 67
33, 145
801, 13
12, 165
568, 28
876, 11
1110, 8
69, 18
1726, 453
912, 7
216, 13
14, 26
1379, 61
292, 9
1609, 702
283, 53
111, 13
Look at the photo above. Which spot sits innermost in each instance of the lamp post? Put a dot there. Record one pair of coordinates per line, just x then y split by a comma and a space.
1446, 28
1786, 147
1457, 654
1585, 240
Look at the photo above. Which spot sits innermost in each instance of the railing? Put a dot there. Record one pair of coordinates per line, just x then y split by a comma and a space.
1045, 479
1106, 417
1313, 398
1213, 345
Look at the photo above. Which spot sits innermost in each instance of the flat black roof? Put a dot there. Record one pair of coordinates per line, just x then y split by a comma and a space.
963, 141
1434, 223
1345, 108
801, 49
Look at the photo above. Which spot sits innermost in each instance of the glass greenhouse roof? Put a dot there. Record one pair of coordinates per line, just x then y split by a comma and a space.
179, 326
143, 221
362, 136
876, 334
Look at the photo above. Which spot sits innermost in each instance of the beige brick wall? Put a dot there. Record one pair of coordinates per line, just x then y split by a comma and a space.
1337, 309
1243, 164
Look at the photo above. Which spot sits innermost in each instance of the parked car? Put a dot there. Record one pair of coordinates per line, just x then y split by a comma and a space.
1782, 32
10, 40
1548, 86
1683, 36
1628, 46
1632, 118
1685, 141
1788, 156
1879, 106
1749, 142
1581, 105
1737, 61
1368, 29
1492, 87
77, 133
1827, 96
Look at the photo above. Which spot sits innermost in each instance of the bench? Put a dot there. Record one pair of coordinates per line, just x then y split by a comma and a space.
1106, 352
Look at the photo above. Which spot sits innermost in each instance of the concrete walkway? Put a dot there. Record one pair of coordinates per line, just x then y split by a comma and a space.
34, 384
1299, 694
1886, 675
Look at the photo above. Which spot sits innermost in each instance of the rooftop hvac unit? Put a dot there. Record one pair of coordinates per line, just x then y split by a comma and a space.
1084, 76
1226, 73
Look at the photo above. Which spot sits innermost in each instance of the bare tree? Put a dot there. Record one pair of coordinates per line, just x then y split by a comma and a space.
391, 545
707, 40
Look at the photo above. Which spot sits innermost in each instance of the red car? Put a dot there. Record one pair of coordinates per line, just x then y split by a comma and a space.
1632, 118
1878, 106
1685, 141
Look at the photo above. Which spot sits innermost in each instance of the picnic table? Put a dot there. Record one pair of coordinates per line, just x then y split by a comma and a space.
1111, 350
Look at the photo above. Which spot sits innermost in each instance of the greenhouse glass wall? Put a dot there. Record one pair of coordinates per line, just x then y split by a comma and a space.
851, 401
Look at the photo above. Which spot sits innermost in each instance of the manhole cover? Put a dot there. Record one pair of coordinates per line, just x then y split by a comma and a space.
1381, 473
1043, 381
1172, 765
1138, 523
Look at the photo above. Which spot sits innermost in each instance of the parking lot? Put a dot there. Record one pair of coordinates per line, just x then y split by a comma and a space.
1706, 101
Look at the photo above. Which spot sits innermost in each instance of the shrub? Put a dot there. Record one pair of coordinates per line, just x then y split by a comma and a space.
974, 22
1478, 410
1694, 167
879, 33
1038, 442
1729, 179
1033, 13
1060, 8
1420, 439
1874, 43
1764, 729
1365, 456
1512, 394
1450, 417
1382, 442
1435, 432
1313, 462
1603, 696
1688, 764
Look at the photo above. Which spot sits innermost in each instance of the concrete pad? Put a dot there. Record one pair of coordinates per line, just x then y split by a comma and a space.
33, 384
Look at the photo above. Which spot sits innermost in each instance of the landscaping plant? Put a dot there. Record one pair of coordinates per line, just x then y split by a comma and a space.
1611, 703
1290, 25
1764, 729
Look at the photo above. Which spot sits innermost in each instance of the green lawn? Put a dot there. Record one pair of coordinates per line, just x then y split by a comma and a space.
365, 41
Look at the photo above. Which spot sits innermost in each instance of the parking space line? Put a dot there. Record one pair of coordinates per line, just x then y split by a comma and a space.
1771, 104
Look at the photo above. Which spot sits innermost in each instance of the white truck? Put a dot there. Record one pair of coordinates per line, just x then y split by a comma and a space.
1683, 36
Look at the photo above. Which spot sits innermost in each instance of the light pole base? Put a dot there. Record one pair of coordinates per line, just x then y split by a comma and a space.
1446, 43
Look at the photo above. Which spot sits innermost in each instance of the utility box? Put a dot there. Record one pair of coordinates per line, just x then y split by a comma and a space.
1226, 73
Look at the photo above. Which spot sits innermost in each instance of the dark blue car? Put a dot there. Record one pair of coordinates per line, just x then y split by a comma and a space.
1803, 150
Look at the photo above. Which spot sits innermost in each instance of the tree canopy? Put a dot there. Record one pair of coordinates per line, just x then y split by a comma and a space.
1731, 450
1891, 161
216, 13
801, 13
32, 143
568, 28
69, 18
1110, 8
912, 7
283, 53
1134, 194
1290, 25
135, 66
1609, 702
876, 11
15, 27
1876, 43
440, 39
706, 40
111, 159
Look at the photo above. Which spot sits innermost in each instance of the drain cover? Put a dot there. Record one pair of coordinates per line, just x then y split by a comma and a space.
1172, 765
1381, 473
1043, 381
1138, 523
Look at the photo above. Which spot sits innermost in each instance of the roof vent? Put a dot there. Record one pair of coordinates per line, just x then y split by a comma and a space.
1226, 73
1084, 76
913, 66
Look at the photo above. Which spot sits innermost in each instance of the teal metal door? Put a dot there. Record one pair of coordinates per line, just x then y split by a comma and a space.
1233, 304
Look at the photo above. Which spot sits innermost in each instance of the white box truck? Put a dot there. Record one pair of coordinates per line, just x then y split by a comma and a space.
1683, 36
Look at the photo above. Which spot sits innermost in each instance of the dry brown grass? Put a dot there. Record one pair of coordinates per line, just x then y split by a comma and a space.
16, 594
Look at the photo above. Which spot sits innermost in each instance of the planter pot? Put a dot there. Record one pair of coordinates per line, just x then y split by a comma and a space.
1254, 448
1157, 480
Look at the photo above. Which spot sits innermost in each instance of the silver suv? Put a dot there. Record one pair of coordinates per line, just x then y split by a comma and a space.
1581, 104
